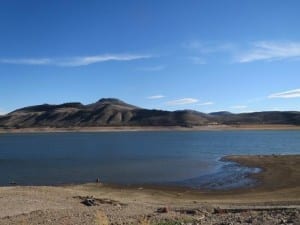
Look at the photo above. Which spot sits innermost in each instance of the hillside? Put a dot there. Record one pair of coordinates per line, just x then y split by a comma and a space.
114, 112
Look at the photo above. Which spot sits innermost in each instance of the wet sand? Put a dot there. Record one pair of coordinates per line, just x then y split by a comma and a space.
276, 200
278, 171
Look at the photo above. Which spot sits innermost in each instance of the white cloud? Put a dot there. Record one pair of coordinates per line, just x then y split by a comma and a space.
245, 52
156, 97
239, 107
270, 51
286, 94
83, 61
205, 103
277, 109
152, 68
283, 108
75, 61
183, 101
41, 61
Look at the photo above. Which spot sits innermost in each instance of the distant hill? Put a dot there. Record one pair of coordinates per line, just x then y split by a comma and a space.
114, 112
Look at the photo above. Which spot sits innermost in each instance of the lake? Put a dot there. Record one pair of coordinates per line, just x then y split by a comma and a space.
171, 158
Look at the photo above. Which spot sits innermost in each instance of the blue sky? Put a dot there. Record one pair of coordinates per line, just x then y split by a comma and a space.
208, 56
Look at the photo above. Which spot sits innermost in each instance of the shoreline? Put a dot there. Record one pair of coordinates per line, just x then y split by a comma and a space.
243, 161
248, 161
277, 197
273, 168
277, 172
150, 128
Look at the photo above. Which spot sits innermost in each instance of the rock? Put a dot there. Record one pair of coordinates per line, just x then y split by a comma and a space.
201, 217
219, 211
162, 210
282, 221
118, 205
249, 220
188, 211
89, 201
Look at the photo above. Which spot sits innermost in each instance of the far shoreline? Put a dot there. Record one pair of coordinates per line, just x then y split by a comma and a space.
150, 128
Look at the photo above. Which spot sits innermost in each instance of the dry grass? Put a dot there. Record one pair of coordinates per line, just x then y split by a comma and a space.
101, 218
144, 221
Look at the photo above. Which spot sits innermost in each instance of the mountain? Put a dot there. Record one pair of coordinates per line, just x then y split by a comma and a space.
268, 117
114, 112
221, 113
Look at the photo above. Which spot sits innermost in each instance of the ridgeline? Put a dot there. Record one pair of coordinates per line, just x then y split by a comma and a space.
114, 112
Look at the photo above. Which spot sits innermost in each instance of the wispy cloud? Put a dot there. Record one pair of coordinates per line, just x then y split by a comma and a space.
286, 94
156, 97
152, 68
270, 51
283, 108
74, 61
246, 52
204, 50
239, 107
83, 61
205, 103
40, 61
182, 101
206, 47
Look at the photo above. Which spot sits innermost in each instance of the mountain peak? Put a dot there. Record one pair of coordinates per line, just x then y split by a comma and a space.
110, 101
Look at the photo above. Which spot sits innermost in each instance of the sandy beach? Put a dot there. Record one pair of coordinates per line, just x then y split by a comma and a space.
276, 200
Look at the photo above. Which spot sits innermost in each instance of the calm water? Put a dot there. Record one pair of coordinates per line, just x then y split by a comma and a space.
179, 158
